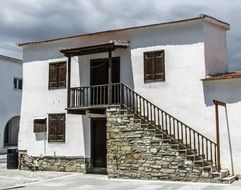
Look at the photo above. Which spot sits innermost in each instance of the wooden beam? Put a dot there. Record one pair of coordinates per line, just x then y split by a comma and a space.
217, 137
110, 78
69, 81
216, 102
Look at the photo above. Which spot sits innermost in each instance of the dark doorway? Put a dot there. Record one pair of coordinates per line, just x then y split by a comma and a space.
99, 75
11, 132
98, 143
99, 71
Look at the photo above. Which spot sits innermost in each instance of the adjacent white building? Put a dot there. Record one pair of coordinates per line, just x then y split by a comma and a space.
10, 101
165, 63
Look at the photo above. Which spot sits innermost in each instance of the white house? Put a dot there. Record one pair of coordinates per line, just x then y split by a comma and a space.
10, 101
158, 73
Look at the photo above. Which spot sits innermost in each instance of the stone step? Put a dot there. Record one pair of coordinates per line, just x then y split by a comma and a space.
176, 146
166, 140
194, 157
222, 174
229, 179
199, 163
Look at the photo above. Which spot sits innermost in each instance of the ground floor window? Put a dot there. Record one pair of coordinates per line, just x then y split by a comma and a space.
56, 128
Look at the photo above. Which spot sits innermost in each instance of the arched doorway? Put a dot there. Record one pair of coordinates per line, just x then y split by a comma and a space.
11, 132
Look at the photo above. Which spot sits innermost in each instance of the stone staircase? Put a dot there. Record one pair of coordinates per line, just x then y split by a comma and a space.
162, 156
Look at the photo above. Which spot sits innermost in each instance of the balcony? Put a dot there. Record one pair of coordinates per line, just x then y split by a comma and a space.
95, 97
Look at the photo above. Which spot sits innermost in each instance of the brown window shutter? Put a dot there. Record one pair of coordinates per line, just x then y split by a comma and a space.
39, 126
61, 128
148, 66
154, 66
52, 128
62, 74
56, 127
159, 66
53, 75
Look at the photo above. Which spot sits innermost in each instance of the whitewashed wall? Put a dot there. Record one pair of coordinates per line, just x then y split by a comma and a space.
183, 94
228, 91
215, 49
10, 98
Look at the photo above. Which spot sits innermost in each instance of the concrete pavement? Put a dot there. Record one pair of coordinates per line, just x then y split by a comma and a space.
101, 182
16, 177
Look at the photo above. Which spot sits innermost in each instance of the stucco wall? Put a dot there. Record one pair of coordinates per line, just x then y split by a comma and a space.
10, 98
215, 49
38, 101
182, 94
228, 91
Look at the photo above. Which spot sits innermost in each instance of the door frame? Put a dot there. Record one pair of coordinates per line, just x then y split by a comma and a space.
92, 139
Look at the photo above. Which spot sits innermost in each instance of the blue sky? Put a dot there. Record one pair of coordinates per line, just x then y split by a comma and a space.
31, 20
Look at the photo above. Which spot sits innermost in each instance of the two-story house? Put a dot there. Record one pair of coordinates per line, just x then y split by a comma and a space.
10, 101
132, 103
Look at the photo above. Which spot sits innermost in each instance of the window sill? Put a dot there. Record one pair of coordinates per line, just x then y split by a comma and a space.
155, 81
57, 88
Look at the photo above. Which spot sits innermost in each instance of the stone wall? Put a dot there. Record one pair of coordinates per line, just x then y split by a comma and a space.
61, 164
135, 152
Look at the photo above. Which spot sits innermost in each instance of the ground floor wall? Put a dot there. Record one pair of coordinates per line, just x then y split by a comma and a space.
57, 163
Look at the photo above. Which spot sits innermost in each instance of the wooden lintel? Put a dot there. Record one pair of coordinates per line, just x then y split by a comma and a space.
216, 102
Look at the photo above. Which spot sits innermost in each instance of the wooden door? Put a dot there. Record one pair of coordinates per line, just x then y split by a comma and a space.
98, 135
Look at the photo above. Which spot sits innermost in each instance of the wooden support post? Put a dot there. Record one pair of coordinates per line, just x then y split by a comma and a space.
69, 80
110, 78
217, 135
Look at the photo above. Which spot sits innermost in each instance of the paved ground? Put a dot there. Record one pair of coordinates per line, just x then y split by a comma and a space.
100, 182
17, 177
26, 180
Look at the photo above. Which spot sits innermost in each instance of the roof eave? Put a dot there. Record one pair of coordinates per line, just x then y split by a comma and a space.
195, 19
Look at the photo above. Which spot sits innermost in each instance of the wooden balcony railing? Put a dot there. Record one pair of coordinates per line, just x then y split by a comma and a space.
120, 94
95, 96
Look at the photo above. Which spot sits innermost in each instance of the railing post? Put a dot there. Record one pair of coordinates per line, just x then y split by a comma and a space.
121, 92
110, 78
69, 81
217, 136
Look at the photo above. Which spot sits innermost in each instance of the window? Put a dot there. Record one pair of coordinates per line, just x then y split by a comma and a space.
57, 75
56, 128
18, 83
39, 125
154, 66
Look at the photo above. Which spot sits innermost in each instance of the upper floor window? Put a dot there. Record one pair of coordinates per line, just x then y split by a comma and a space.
18, 83
154, 66
57, 75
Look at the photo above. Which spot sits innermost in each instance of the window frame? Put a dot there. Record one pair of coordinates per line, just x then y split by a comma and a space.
18, 79
64, 129
153, 80
38, 129
58, 79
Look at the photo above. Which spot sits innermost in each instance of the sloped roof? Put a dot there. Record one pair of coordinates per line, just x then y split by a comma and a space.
11, 59
201, 17
225, 76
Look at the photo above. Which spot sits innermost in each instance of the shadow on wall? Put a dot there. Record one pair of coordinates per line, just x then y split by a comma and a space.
228, 91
